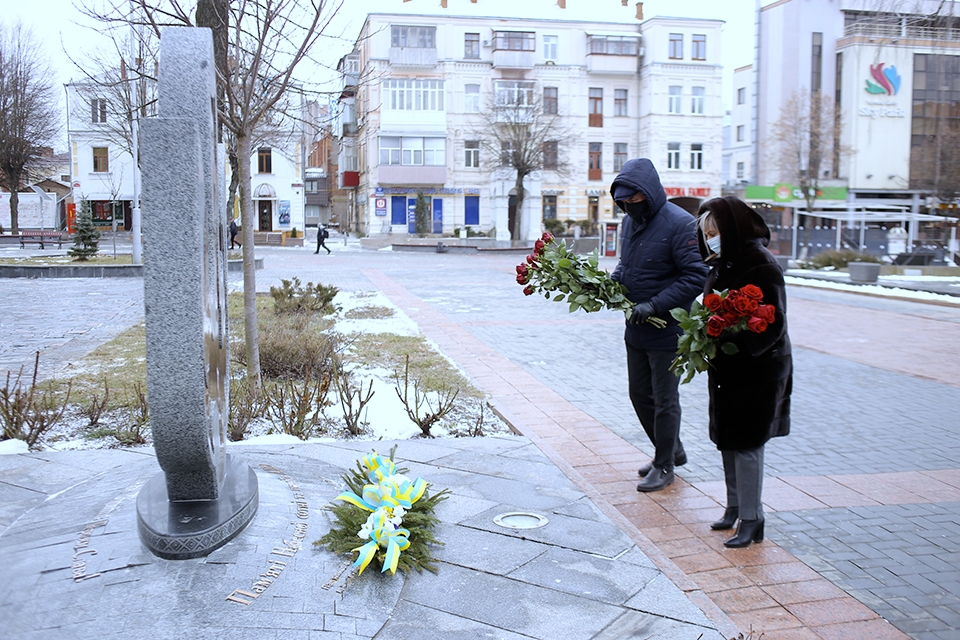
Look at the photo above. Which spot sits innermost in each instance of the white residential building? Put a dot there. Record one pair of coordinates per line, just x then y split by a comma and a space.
416, 89
738, 148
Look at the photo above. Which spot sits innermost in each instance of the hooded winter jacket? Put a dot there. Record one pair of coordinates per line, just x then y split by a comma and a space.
749, 390
659, 262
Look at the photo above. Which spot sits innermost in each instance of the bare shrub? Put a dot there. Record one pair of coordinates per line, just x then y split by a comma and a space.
298, 404
349, 393
421, 410
292, 347
293, 298
93, 411
245, 405
28, 413
131, 433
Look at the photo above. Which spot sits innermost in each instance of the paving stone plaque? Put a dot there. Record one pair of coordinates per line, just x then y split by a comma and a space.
203, 498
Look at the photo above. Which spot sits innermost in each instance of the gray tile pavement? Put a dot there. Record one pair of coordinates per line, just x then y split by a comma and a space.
848, 418
76, 568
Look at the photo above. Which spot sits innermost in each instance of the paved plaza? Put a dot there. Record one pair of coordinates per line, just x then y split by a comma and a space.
862, 499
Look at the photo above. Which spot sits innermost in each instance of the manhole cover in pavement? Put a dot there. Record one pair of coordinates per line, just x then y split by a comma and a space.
520, 520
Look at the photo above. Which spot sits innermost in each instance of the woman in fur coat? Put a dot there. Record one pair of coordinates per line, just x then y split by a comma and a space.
750, 389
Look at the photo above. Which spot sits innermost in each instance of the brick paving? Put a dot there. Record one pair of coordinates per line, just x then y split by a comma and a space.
863, 498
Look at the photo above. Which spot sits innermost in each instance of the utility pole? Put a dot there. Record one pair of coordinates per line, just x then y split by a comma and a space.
137, 258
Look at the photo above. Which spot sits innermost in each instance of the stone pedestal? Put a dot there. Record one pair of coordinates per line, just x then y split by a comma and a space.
863, 271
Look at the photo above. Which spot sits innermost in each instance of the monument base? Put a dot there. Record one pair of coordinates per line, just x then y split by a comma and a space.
183, 530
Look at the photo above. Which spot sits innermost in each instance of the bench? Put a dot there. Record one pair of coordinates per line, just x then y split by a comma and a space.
40, 237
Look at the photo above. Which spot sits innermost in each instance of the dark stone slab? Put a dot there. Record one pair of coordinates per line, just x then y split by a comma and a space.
190, 529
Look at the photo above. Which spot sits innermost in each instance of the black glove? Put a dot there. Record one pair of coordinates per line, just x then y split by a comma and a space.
641, 312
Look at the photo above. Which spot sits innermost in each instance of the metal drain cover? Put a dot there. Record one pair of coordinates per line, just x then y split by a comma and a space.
520, 520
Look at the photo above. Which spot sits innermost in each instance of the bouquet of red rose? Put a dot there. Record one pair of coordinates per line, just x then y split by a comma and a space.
733, 311
563, 275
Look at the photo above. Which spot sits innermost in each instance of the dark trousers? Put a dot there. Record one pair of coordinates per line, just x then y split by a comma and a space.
743, 475
655, 394
320, 243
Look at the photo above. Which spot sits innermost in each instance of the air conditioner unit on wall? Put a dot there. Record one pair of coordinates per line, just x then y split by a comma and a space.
486, 43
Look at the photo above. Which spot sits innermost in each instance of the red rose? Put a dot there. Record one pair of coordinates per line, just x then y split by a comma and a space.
730, 317
547, 237
522, 269
757, 325
528, 290
754, 305
713, 302
532, 259
752, 291
538, 247
742, 305
715, 326
727, 304
766, 311
523, 278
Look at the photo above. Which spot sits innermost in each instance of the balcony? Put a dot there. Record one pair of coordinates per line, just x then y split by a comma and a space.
413, 56
392, 174
614, 65
503, 59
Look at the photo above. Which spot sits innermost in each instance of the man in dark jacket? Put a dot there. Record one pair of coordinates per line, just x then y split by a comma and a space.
661, 267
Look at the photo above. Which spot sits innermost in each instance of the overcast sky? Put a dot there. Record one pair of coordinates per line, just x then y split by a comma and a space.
60, 28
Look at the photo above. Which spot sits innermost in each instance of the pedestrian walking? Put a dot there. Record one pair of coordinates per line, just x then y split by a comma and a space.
322, 235
661, 269
233, 233
750, 389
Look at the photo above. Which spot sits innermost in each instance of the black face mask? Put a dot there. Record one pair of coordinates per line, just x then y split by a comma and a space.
639, 211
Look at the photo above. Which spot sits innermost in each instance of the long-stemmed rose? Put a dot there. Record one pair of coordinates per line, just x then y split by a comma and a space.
561, 275
733, 311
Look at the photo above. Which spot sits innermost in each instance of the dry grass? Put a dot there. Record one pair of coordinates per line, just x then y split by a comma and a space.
101, 258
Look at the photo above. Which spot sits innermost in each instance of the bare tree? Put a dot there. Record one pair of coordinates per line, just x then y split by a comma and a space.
805, 145
29, 118
525, 134
265, 42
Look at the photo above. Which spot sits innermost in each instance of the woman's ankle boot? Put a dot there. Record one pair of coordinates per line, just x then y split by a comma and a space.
747, 531
728, 520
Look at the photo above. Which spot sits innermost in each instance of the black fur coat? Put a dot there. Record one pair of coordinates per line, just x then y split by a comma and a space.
749, 390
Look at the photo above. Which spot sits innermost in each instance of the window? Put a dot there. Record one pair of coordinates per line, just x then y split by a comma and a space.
550, 47
673, 155
550, 100
550, 154
619, 155
619, 102
101, 160
264, 160
401, 94
615, 45
696, 156
311, 185
389, 150
506, 153
594, 171
471, 45
514, 41
471, 98
816, 61
596, 107
98, 110
411, 150
471, 150
434, 152
674, 101
676, 46
740, 171
549, 207
741, 95
698, 47
741, 132
696, 101
413, 37
514, 93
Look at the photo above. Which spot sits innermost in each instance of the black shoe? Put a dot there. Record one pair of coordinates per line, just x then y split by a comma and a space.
678, 461
315, 252
655, 480
728, 520
747, 531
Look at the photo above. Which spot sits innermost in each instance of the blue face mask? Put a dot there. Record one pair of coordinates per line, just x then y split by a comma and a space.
714, 244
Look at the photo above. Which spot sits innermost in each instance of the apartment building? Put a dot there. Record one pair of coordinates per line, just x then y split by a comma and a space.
894, 71
423, 98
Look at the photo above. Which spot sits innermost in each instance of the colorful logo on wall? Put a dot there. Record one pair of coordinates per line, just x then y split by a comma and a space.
888, 80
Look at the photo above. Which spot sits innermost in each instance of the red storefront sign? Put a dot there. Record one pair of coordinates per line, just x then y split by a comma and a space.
687, 192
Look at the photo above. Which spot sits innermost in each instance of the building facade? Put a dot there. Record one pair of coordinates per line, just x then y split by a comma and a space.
423, 96
894, 74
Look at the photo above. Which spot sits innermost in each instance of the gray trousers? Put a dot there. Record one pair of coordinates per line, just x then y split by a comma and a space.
743, 474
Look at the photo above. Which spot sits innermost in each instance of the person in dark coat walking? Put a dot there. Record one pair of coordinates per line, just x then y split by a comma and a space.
233, 232
661, 269
322, 235
750, 389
